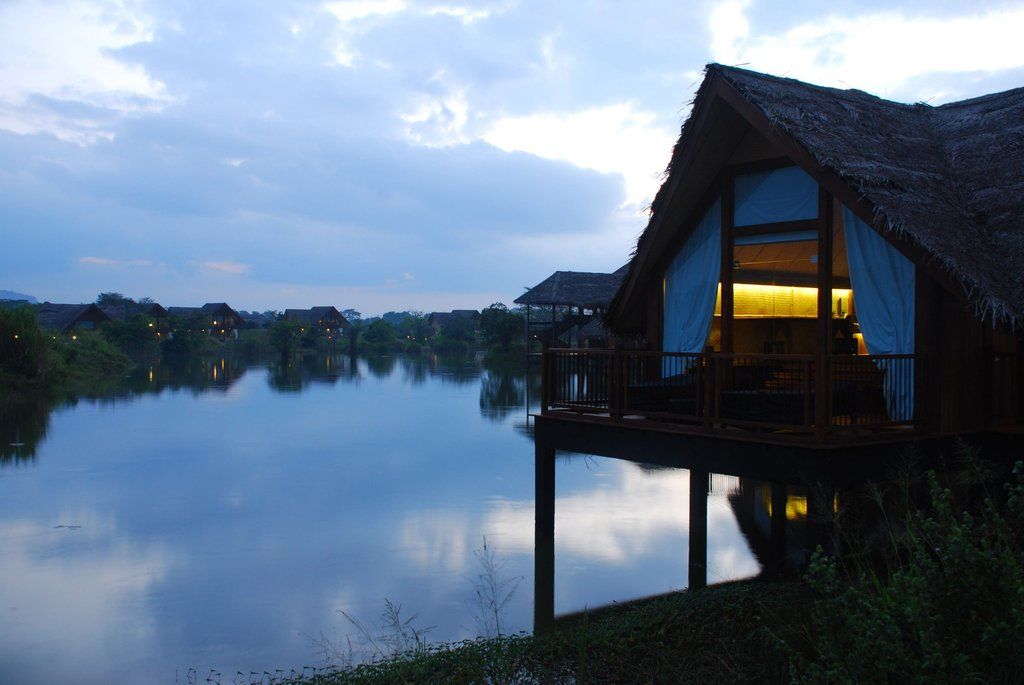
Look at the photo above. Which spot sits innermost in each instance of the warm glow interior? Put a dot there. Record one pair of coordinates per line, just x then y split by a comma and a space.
753, 301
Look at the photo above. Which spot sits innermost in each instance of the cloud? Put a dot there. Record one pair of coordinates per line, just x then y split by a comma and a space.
236, 268
877, 51
616, 138
438, 121
104, 261
52, 55
352, 10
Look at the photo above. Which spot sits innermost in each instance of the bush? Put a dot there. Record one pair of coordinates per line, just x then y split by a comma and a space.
25, 351
950, 607
380, 336
91, 357
284, 337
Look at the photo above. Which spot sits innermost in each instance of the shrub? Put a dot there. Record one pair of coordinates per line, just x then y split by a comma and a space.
950, 608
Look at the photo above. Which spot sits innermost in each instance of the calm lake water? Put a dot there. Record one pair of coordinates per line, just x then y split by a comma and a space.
223, 516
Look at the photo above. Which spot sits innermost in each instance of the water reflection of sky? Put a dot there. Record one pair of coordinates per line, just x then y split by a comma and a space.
226, 528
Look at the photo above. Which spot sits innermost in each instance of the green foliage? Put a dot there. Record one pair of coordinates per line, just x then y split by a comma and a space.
950, 607
113, 300
415, 330
501, 329
284, 337
729, 634
25, 352
134, 335
252, 343
380, 336
456, 337
90, 358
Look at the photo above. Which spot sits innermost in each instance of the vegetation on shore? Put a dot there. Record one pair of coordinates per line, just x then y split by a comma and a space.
32, 362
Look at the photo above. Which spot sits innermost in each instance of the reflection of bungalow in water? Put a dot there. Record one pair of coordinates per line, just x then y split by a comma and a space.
326, 319
821, 267
67, 318
439, 320
216, 317
570, 305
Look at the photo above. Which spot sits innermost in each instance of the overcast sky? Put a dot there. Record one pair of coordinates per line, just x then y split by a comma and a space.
397, 154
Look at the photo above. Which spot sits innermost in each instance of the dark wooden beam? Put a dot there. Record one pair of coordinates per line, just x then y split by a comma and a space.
726, 275
777, 227
544, 540
822, 390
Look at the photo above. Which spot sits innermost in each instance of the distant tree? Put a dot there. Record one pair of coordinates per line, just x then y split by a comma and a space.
396, 319
23, 347
352, 315
461, 328
113, 300
131, 336
415, 328
145, 300
380, 336
500, 328
284, 336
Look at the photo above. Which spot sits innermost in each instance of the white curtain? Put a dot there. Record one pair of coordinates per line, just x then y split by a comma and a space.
691, 286
766, 197
883, 287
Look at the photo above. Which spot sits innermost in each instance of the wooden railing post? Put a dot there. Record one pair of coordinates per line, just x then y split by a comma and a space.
617, 389
808, 405
545, 379
709, 382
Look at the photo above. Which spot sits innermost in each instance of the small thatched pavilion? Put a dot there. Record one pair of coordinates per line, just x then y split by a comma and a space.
570, 300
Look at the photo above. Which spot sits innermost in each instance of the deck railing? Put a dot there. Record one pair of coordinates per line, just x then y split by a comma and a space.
762, 392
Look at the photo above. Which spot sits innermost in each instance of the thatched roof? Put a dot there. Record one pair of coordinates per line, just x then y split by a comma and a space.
948, 178
314, 314
575, 289
443, 318
209, 309
63, 317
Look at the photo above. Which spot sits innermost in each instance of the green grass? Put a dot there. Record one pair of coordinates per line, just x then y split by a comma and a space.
738, 633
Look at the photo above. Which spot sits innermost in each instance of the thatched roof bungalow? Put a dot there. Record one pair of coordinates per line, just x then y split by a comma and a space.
65, 318
220, 318
326, 318
439, 320
827, 264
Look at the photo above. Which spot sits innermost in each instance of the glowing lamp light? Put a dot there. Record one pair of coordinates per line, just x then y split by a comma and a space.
150, 324
756, 301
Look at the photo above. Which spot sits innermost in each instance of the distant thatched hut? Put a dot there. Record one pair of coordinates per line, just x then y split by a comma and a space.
216, 317
327, 319
439, 320
570, 300
65, 318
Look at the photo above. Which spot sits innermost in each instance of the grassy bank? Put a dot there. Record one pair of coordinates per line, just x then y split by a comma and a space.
727, 634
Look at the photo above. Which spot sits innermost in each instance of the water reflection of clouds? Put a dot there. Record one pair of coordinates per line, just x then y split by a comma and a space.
78, 602
438, 540
618, 517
